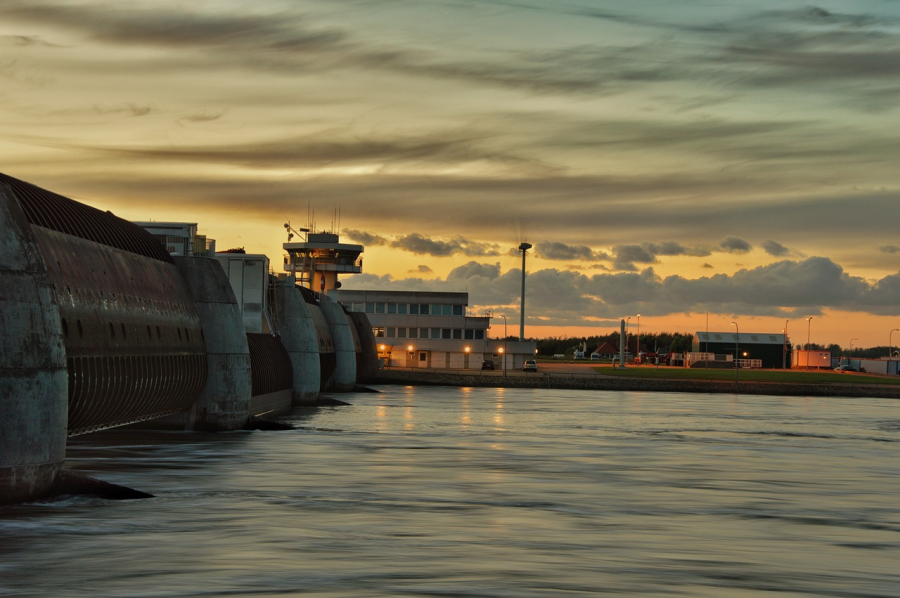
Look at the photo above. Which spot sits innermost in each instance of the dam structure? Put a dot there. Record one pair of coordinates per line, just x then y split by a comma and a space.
100, 326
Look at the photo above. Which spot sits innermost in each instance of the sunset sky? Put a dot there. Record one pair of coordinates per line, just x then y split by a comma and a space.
673, 159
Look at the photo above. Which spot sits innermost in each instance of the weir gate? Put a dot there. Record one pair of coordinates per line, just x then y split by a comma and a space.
101, 327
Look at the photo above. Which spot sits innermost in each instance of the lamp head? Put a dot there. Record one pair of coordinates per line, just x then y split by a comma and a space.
525, 246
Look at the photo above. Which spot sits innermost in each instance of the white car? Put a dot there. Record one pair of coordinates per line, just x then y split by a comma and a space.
530, 366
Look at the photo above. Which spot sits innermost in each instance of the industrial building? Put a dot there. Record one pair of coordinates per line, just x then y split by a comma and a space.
753, 349
432, 330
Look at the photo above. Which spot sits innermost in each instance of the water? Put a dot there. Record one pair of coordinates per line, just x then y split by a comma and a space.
486, 492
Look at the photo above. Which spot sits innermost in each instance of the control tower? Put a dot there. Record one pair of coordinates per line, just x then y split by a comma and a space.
317, 261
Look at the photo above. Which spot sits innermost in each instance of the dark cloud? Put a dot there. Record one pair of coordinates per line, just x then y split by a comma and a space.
422, 245
733, 244
423, 269
785, 289
705, 265
554, 250
628, 255
472, 269
889, 249
364, 237
774, 248
168, 28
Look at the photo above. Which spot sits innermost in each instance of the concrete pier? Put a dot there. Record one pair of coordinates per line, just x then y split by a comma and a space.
33, 379
344, 377
298, 334
224, 403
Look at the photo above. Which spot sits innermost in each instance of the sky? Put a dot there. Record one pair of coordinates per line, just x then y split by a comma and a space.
696, 162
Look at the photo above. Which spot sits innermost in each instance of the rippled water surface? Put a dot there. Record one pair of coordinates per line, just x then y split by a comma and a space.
486, 492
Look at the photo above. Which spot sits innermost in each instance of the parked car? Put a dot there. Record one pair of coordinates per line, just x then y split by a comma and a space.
845, 368
487, 364
530, 366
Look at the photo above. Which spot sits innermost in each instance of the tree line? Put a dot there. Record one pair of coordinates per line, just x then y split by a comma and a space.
678, 342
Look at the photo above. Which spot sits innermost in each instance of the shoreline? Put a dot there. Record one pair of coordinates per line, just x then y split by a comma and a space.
567, 381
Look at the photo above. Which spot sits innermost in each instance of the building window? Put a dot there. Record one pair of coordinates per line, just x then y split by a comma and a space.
446, 333
479, 335
392, 308
423, 356
413, 309
457, 310
413, 333
379, 308
447, 310
470, 334
378, 331
457, 334
391, 332
423, 309
423, 332
401, 332
370, 308
435, 333
401, 309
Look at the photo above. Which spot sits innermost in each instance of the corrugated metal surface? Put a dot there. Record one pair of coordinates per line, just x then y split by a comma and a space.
56, 212
108, 391
269, 363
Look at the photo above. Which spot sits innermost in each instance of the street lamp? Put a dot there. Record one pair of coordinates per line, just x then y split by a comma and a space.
784, 346
638, 348
737, 336
523, 247
627, 322
503, 359
808, 324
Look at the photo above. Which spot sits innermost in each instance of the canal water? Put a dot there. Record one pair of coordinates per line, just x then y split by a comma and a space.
486, 492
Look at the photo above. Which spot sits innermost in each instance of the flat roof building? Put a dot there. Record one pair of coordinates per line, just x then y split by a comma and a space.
771, 350
432, 330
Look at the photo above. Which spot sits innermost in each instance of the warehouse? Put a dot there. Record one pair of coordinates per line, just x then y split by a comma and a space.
752, 349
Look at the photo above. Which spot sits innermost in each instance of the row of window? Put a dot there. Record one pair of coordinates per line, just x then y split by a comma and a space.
410, 309
437, 333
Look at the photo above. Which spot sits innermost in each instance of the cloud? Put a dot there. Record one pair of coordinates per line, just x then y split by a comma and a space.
422, 269
422, 245
554, 250
562, 297
774, 248
733, 244
369, 239
628, 255
705, 265
472, 269
889, 249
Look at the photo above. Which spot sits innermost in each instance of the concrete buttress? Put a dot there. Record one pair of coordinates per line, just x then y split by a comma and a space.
298, 334
224, 403
344, 377
33, 378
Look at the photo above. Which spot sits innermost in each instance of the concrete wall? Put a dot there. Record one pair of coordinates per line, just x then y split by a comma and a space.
33, 379
224, 403
344, 377
298, 334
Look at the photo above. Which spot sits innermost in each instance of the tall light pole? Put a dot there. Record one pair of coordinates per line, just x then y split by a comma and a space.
808, 325
638, 348
627, 322
737, 336
523, 247
784, 346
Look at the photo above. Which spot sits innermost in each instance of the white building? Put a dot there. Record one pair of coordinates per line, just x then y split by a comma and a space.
181, 238
432, 330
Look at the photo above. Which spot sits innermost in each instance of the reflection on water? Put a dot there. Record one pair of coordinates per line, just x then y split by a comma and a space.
486, 492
